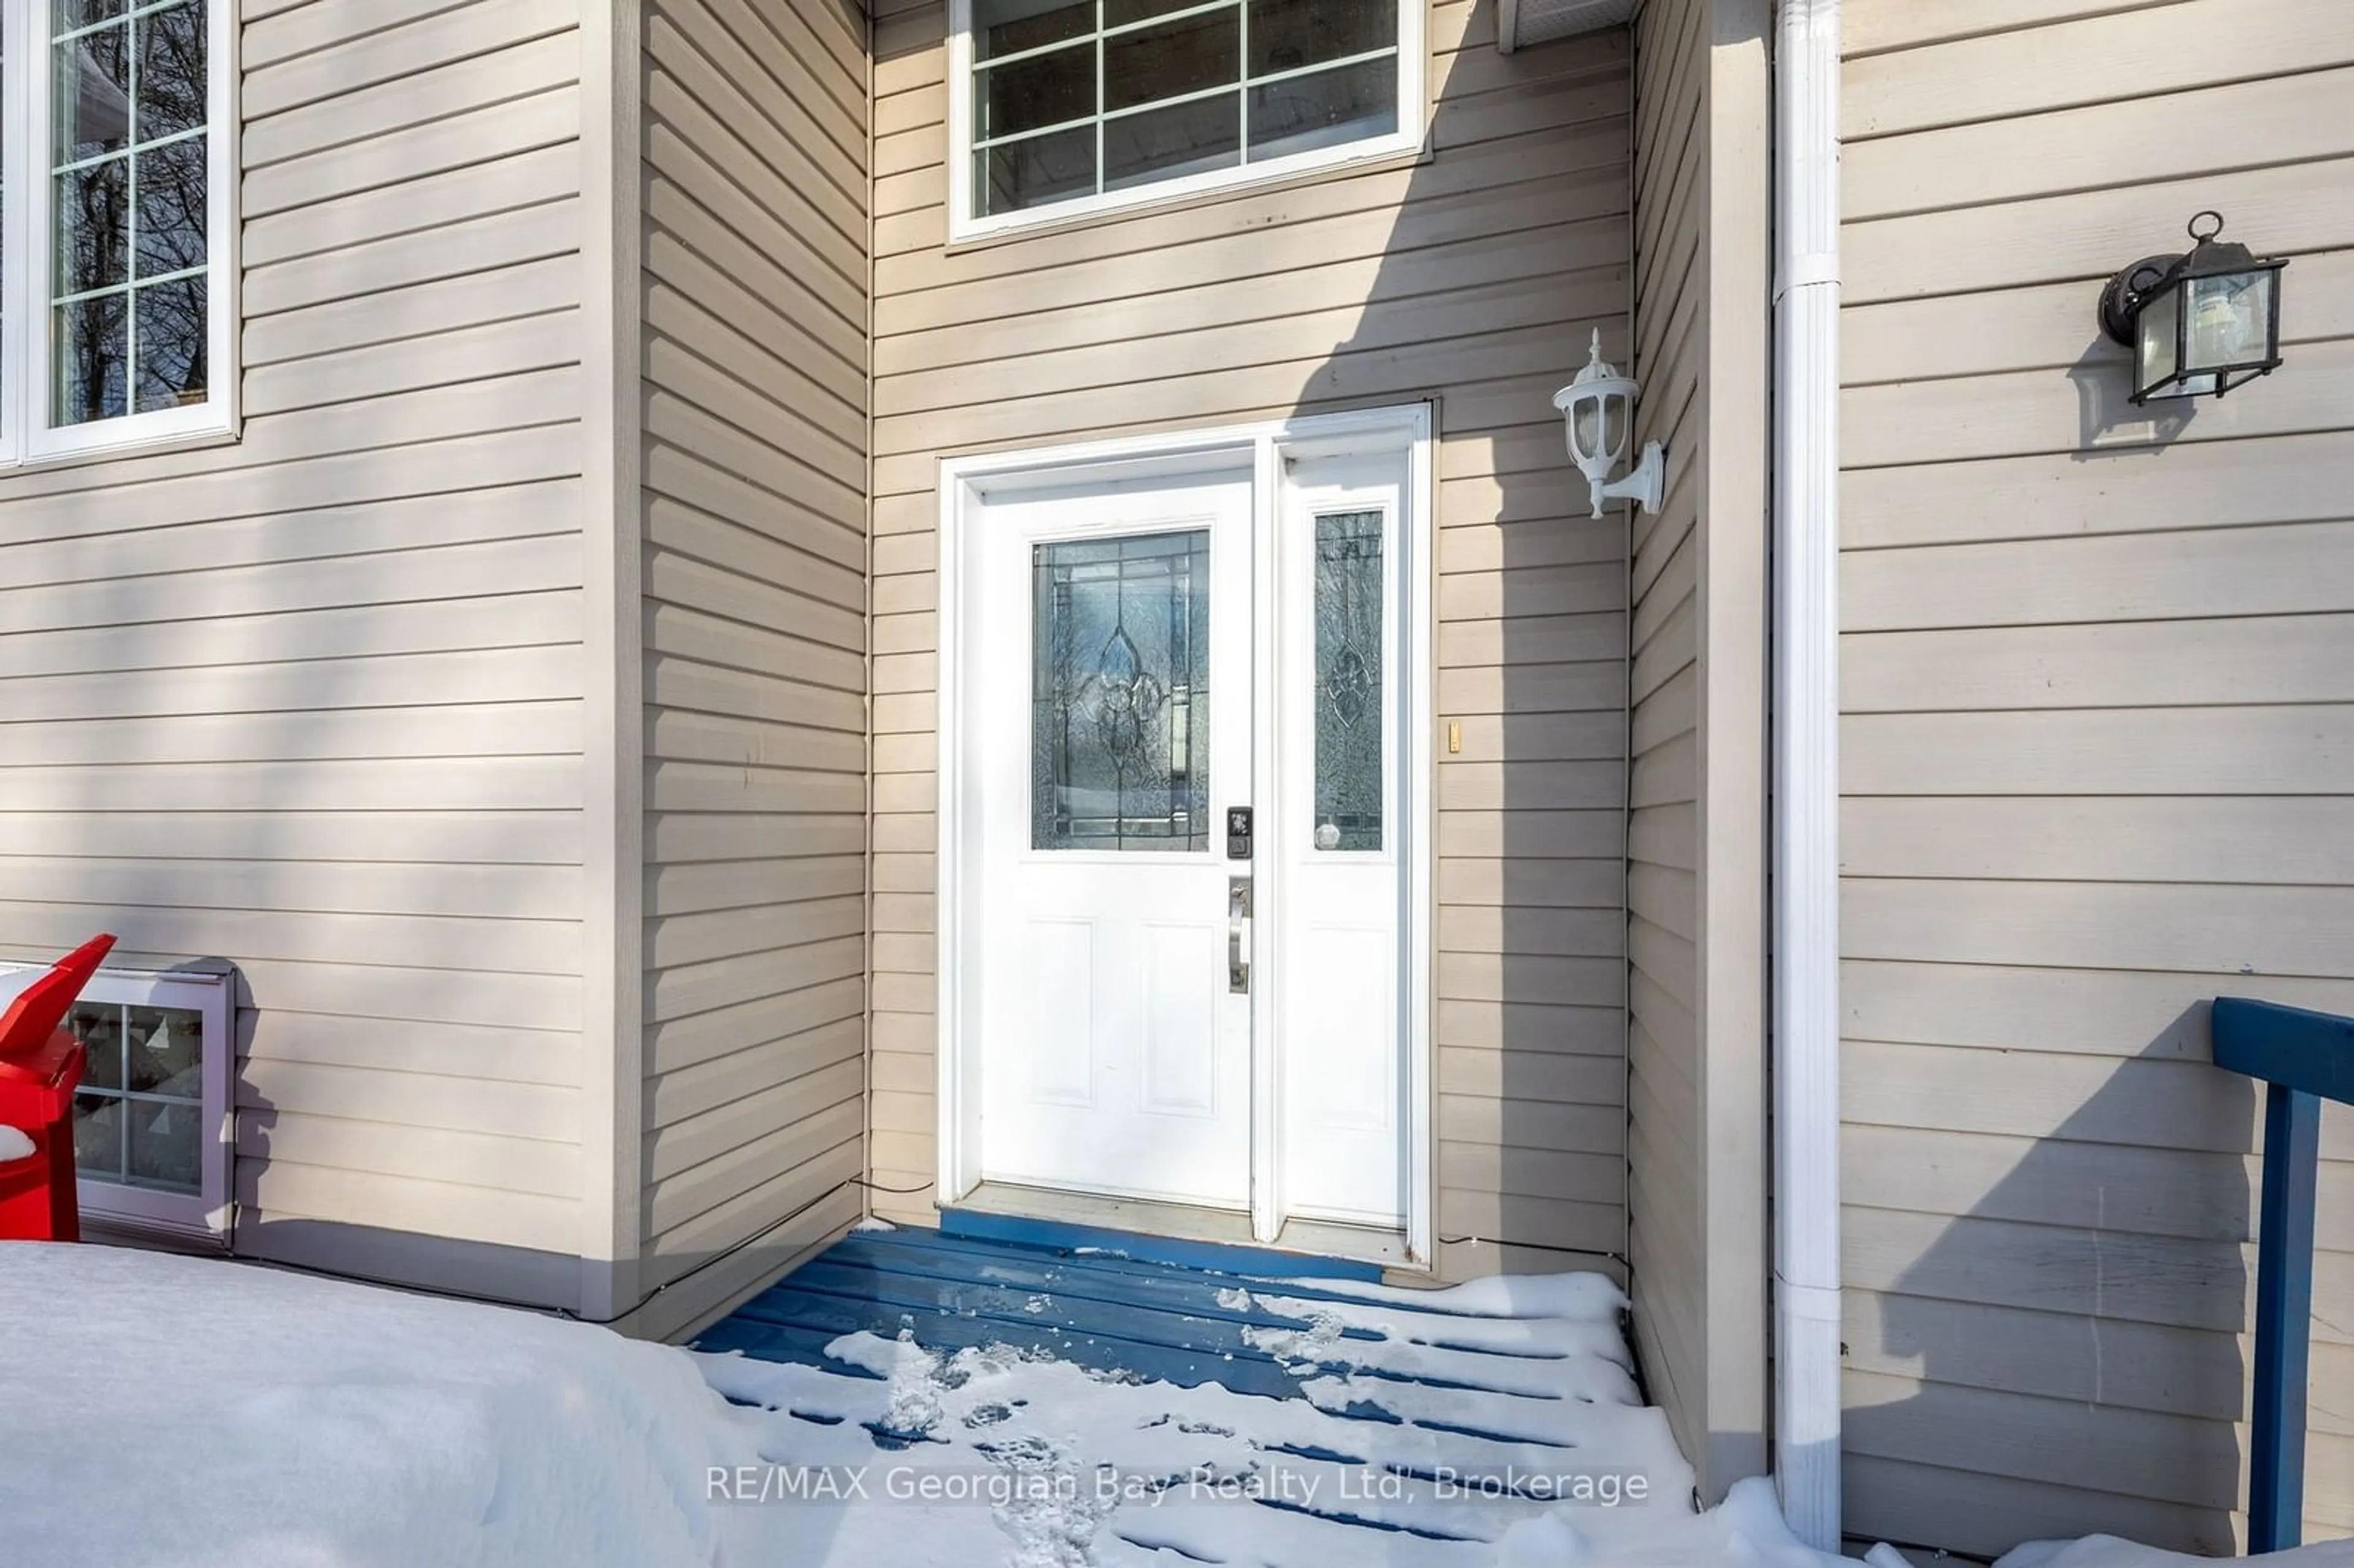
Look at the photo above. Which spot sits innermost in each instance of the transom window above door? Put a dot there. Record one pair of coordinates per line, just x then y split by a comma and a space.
1062, 107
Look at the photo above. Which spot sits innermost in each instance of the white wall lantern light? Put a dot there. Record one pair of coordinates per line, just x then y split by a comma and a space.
1598, 409
2199, 323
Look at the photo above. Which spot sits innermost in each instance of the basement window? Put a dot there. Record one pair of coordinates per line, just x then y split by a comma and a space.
1060, 108
116, 300
151, 1121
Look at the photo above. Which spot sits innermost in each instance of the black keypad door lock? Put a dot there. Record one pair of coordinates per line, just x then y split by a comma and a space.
1238, 833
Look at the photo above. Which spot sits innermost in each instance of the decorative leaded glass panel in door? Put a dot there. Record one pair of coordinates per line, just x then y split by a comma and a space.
1119, 695
1348, 698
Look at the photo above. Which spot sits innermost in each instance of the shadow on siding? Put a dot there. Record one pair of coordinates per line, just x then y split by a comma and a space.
2074, 1333
1512, 247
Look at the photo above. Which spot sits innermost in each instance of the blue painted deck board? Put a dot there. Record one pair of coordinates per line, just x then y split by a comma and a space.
1081, 1288
1102, 1275
1202, 1326
794, 1326
1203, 1257
1104, 1308
1110, 1309
1116, 1279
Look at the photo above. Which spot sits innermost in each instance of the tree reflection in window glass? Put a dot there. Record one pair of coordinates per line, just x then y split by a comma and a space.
130, 170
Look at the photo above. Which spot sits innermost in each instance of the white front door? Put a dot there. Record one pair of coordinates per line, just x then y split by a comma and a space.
1114, 704
1153, 667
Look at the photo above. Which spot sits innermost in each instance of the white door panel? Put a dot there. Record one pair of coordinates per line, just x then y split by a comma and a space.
1057, 1043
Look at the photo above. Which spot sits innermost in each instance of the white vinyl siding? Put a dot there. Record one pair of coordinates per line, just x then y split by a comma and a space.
755, 636
1474, 279
2098, 680
311, 702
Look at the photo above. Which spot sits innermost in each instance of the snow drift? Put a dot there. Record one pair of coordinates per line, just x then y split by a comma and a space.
197, 1412
200, 1414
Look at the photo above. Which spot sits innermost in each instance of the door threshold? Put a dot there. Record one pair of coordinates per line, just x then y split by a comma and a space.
1185, 1234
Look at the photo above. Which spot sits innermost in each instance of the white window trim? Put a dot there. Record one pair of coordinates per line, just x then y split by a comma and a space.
201, 1214
27, 435
1413, 71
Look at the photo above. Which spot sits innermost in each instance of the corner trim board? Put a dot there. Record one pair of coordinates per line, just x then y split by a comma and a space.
613, 1036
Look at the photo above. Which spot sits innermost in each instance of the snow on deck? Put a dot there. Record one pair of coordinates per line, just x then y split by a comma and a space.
996, 1403
167, 1411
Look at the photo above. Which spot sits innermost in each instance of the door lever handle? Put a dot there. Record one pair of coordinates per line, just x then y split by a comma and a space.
1238, 934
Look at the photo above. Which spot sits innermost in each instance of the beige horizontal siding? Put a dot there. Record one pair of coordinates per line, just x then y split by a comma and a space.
2096, 707
1472, 278
1694, 879
311, 702
1665, 1233
754, 591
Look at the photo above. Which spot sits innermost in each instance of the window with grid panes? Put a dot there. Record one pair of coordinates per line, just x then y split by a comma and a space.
1066, 106
115, 298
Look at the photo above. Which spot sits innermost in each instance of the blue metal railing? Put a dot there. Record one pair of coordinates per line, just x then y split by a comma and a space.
2302, 1058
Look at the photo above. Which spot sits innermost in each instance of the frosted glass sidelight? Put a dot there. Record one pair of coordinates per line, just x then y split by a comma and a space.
1120, 694
1347, 697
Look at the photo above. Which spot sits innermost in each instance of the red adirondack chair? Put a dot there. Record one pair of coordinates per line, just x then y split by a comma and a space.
41, 1066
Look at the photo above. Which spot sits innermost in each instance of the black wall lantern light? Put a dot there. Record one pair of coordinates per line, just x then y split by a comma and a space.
2200, 324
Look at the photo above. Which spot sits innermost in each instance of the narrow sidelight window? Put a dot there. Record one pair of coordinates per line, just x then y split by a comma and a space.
1350, 712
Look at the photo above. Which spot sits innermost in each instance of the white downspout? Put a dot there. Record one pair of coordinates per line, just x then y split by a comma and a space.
1806, 770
